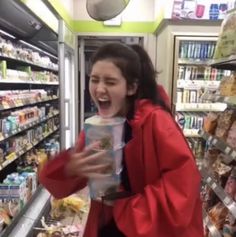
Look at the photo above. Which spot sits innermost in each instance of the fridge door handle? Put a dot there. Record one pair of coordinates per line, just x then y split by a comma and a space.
67, 114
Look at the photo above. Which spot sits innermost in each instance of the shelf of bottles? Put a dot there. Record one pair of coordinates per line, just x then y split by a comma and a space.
194, 78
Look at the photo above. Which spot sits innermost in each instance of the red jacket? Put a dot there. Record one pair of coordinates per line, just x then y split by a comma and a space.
162, 174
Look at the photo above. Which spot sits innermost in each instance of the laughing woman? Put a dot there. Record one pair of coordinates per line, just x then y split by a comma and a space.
159, 172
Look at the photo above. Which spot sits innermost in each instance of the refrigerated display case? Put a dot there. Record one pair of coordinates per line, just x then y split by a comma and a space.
192, 78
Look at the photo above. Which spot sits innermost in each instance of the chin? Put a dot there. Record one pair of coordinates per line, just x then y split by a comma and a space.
108, 115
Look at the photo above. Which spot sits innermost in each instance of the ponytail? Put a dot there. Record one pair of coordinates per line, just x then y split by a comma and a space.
148, 88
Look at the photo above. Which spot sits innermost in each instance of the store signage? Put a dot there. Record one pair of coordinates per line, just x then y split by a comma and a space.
200, 9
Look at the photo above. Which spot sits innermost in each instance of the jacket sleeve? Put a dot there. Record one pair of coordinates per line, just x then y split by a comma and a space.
54, 179
170, 204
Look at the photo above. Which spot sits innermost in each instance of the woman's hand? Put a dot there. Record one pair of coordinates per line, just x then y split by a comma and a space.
88, 163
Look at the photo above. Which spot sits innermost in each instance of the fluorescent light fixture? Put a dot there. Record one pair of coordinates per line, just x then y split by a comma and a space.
35, 47
7, 34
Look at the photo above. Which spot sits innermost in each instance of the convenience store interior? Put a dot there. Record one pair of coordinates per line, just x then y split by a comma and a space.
45, 51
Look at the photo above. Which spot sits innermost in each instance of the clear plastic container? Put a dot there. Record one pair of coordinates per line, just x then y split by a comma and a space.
110, 134
109, 131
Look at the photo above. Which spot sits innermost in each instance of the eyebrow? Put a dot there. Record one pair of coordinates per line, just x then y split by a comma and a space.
108, 78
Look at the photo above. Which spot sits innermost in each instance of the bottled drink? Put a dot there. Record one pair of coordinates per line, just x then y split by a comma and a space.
214, 11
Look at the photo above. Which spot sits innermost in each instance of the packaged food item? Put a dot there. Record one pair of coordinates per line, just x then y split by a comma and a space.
210, 123
228, 86
109, 133
63, 207
224, 122
226, 44
231, 138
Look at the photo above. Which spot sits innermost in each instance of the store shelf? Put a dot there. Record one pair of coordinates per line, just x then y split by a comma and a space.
20, 105
26, 213
10, 81
211, 227
196, 84
33, 212
225, 63
15, 155
27, 126
231, 100
29, 63
201, 107
231, 10
193, 62
219, 191
221, 145
191, 132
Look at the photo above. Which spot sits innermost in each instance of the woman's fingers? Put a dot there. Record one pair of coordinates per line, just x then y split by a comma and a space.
85, 158
98, 168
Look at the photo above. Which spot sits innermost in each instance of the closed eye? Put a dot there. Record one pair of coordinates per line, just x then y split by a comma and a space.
111, 81
94, 80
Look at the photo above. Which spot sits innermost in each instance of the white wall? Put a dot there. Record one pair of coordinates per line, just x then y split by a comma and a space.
137, 10
69, 6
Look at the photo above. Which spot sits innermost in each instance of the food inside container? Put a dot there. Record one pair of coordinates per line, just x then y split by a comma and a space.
109, 131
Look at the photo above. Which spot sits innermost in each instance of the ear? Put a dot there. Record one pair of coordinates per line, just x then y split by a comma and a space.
132, 89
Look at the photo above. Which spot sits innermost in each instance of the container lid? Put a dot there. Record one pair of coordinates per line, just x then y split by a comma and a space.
98, 120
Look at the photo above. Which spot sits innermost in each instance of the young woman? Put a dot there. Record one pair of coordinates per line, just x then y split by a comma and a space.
159, 178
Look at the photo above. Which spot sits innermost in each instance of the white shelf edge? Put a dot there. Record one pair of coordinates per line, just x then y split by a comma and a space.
28, 82
26, 223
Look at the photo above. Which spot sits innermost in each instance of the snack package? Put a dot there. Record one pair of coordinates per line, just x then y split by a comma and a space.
226, 44
224, 122
231, 138
210, 123
228, 86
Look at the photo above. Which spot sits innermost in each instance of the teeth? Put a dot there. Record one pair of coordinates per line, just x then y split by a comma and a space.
102, 100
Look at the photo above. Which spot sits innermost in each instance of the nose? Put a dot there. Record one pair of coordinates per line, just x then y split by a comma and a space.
101, 87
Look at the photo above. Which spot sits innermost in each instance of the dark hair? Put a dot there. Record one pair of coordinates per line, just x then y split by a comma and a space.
135, 66
123, 57
148, 80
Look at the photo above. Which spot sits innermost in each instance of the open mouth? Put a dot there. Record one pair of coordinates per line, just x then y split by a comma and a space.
104, 104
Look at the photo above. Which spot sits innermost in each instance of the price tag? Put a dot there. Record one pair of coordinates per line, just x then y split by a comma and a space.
233, 154
227, 150
5, 105
12, 156
210, 139
1, 137
214, 141
208, 179
227, 200
6, 163
226, 99
214, 185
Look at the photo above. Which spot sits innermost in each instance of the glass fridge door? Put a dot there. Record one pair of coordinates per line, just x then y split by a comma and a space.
193, 77
68, 87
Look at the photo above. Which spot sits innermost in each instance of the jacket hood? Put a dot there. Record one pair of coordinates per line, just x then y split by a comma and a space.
143, 108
